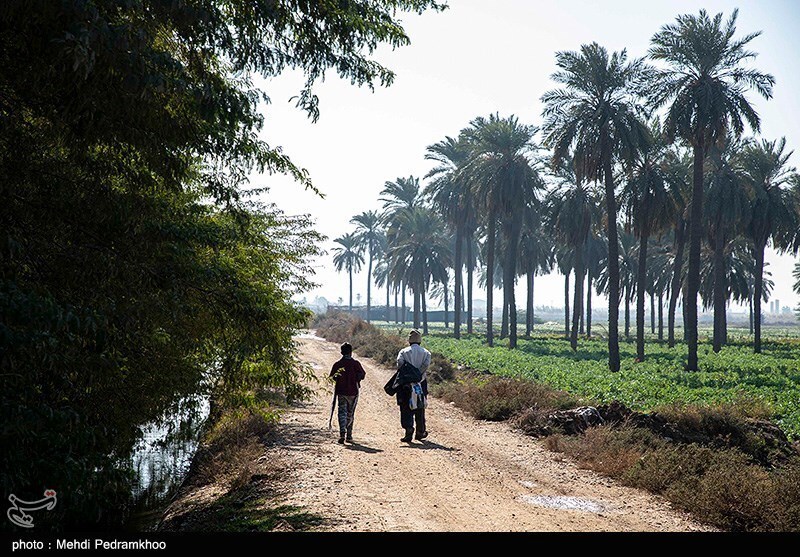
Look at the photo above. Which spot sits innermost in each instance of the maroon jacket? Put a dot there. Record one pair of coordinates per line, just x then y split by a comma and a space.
349, 379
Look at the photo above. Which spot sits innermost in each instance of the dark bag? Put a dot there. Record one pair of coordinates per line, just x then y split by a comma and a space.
390, 387
408, 374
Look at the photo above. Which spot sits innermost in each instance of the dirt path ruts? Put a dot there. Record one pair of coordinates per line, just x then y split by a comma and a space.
467, 476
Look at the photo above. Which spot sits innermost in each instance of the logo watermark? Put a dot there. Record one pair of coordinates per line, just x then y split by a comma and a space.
17, 512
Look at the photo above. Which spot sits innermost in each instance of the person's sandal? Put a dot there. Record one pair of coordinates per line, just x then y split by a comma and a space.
421, 436
341, 440
407, 438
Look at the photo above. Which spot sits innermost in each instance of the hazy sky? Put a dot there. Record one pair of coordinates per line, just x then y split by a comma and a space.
476, 58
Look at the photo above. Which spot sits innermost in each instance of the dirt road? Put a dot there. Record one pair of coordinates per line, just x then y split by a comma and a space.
467, 475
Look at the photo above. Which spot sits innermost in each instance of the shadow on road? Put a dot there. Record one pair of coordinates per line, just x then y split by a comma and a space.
363, 448
429, 445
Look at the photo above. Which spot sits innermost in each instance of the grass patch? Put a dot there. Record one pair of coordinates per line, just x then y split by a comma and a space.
240, 511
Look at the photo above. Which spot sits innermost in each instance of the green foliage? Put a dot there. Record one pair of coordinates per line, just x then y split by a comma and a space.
771, 378
135, 269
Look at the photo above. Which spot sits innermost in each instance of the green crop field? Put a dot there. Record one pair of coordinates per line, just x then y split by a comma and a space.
733, 375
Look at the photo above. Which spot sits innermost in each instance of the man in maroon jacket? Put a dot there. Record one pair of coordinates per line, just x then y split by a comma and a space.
348, 374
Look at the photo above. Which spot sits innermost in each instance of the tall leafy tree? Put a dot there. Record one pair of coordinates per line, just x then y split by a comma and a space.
348, 257
773, 210
451, 195
704, 85
399, 198
570, 208
368, 234
679, 180
421, 254
537, 254
501, 173
646, 199
595, 117
129, 131
727, 215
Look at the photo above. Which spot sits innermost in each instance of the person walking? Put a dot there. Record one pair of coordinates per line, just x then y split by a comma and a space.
348, 374
412, 397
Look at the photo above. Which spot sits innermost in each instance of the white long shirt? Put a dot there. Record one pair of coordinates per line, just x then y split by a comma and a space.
417, 356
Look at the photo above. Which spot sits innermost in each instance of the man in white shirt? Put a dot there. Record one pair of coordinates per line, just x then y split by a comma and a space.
420, 358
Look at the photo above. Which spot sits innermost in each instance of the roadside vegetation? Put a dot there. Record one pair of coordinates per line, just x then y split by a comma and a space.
724, 461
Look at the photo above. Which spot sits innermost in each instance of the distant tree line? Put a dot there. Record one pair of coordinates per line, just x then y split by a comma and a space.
640, 182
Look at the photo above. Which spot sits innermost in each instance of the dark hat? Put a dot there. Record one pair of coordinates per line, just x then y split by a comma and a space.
347, 349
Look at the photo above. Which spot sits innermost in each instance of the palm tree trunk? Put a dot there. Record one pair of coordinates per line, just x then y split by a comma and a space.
757, 294
566, 304
424, 311
396, 308
415, 294
577, 309
751, 314
613, 261
490, 277
653, 313
403, 303
583, 305
388, 294
529, 303
504, 319
660, 315
675, 288
369, 284
695, 237
469, 284
589, 279
627, 312
720, 289
458, 280
445, 303
685, 316
510, 269
641, 280
350, 306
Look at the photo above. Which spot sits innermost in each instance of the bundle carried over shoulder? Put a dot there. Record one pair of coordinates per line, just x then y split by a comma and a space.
405, 375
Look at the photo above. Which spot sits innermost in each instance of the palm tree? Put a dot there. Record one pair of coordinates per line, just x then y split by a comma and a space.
595, 117
368, 235
348, 257
565, 262
570, 208
399, 198
704, 84
381, 272
773, 213
503, 179
646, 198
680, 185
596, 250
451, 196
727, 206
628, 271
421, 256
536, 250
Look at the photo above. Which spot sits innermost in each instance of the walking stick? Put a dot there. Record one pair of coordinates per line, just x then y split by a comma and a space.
333, 405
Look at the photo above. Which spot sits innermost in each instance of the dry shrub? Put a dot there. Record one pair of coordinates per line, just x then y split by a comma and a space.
499, 398
603, 449
730, 425
722, 487
229, 450
441, 369
730, 493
